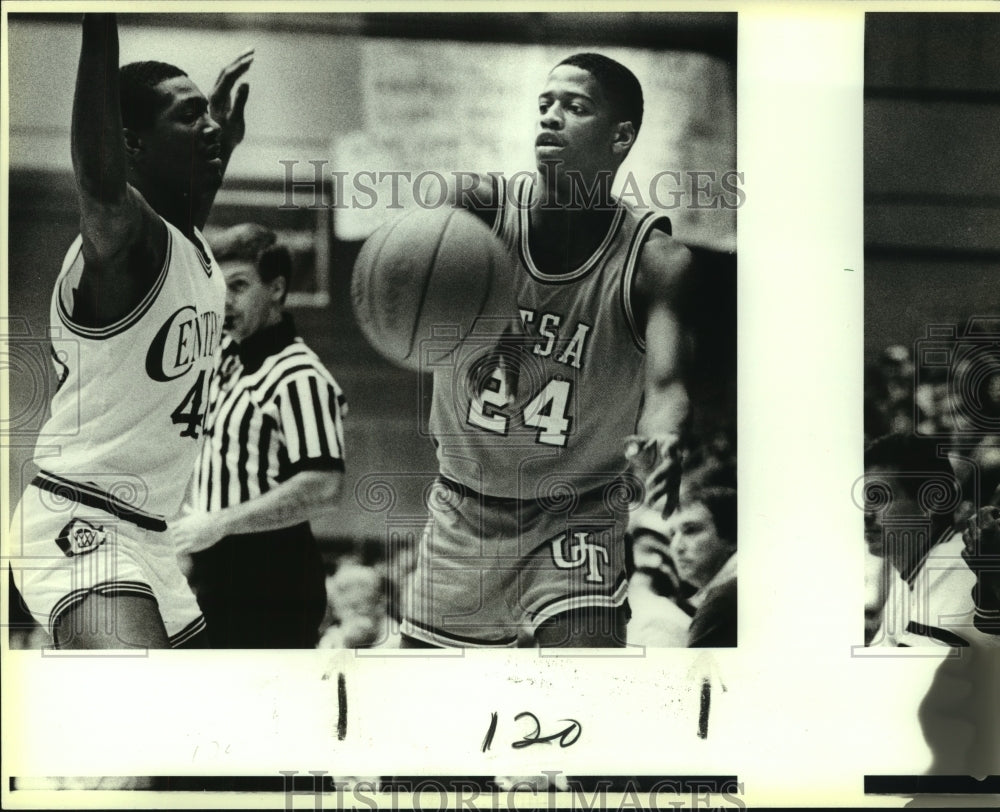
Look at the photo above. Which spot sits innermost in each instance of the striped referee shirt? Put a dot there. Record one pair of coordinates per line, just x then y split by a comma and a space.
274, 410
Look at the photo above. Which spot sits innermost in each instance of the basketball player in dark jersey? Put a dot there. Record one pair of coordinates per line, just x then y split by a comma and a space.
143, 300
526, 541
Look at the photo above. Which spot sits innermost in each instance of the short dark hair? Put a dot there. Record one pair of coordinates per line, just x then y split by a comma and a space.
917, 459
619, 84
140, 101
721, 503
910, 454
273, 262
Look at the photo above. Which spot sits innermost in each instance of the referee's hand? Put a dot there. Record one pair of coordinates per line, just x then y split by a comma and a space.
194, 532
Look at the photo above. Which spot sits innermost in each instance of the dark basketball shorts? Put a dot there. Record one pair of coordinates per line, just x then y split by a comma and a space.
490, 571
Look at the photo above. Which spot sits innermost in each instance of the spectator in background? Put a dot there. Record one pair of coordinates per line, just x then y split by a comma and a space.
910, 493
889, 392
702, 535
359, 598
942, 593
711, 463
660, 613
877, 577
273, 460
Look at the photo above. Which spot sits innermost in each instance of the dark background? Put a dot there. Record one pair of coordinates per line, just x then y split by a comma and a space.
932, 173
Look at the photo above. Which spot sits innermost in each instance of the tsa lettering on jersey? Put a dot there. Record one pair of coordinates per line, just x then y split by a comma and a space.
576, 549
563, 342
548, 407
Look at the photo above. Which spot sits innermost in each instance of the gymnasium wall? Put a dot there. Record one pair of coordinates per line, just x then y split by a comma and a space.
352, 91
932, 177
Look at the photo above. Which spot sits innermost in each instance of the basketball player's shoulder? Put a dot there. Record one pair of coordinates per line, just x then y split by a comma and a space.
477, 193
112, 233
663, 264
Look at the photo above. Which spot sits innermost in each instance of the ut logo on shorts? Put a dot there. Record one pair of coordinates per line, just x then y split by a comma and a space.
79, 537
577, 549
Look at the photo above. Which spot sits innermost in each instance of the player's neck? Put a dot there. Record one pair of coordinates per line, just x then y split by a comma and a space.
176, 209
562, 239
907, 557
570, 190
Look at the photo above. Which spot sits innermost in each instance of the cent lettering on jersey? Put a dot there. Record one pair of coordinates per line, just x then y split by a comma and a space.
185, 336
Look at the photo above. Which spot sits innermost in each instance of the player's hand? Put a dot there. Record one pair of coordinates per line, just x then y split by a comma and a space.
227, 113
657, 461
195, 532
982, 553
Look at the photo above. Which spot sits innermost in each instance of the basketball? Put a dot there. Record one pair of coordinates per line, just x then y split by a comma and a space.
428, 274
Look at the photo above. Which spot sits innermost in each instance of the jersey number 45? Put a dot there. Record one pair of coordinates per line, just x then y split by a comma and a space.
190, 413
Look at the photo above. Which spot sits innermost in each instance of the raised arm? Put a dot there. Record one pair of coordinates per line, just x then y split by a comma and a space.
114, 219
229, 115
663, 265
97, 144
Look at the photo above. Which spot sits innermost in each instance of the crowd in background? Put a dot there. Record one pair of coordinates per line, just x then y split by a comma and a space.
929, 406
956, 404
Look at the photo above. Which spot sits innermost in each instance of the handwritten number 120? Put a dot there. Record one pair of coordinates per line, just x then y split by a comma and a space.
566, 737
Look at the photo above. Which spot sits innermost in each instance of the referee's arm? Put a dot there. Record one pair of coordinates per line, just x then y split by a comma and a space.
313, 443
302, 498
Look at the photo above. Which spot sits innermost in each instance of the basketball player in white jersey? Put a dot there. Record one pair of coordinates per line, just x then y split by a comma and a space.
142, 300
525, 537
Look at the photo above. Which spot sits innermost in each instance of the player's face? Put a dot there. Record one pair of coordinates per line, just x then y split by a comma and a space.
697, 550
251, 304
575, 129
886, 501
182, 147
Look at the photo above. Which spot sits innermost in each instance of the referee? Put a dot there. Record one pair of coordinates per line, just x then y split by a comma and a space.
273, 459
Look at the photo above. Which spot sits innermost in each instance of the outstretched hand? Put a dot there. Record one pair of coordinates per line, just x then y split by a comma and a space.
658, 462
227, 113
194, 532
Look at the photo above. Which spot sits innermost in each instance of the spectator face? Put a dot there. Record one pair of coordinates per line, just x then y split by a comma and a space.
654, 566
651, 552
251, 304
886, 500
697, 550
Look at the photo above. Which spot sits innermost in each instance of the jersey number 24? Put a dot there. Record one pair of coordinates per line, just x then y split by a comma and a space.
546, 411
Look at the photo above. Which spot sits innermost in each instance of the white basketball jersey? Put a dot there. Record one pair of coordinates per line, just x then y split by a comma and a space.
127, 417
556, 411
935, 607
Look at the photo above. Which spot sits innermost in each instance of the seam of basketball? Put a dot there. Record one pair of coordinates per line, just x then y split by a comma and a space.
489, 287
427, 282
369, 281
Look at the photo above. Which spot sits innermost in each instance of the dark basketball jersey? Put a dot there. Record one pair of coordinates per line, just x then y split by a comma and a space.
549, 410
